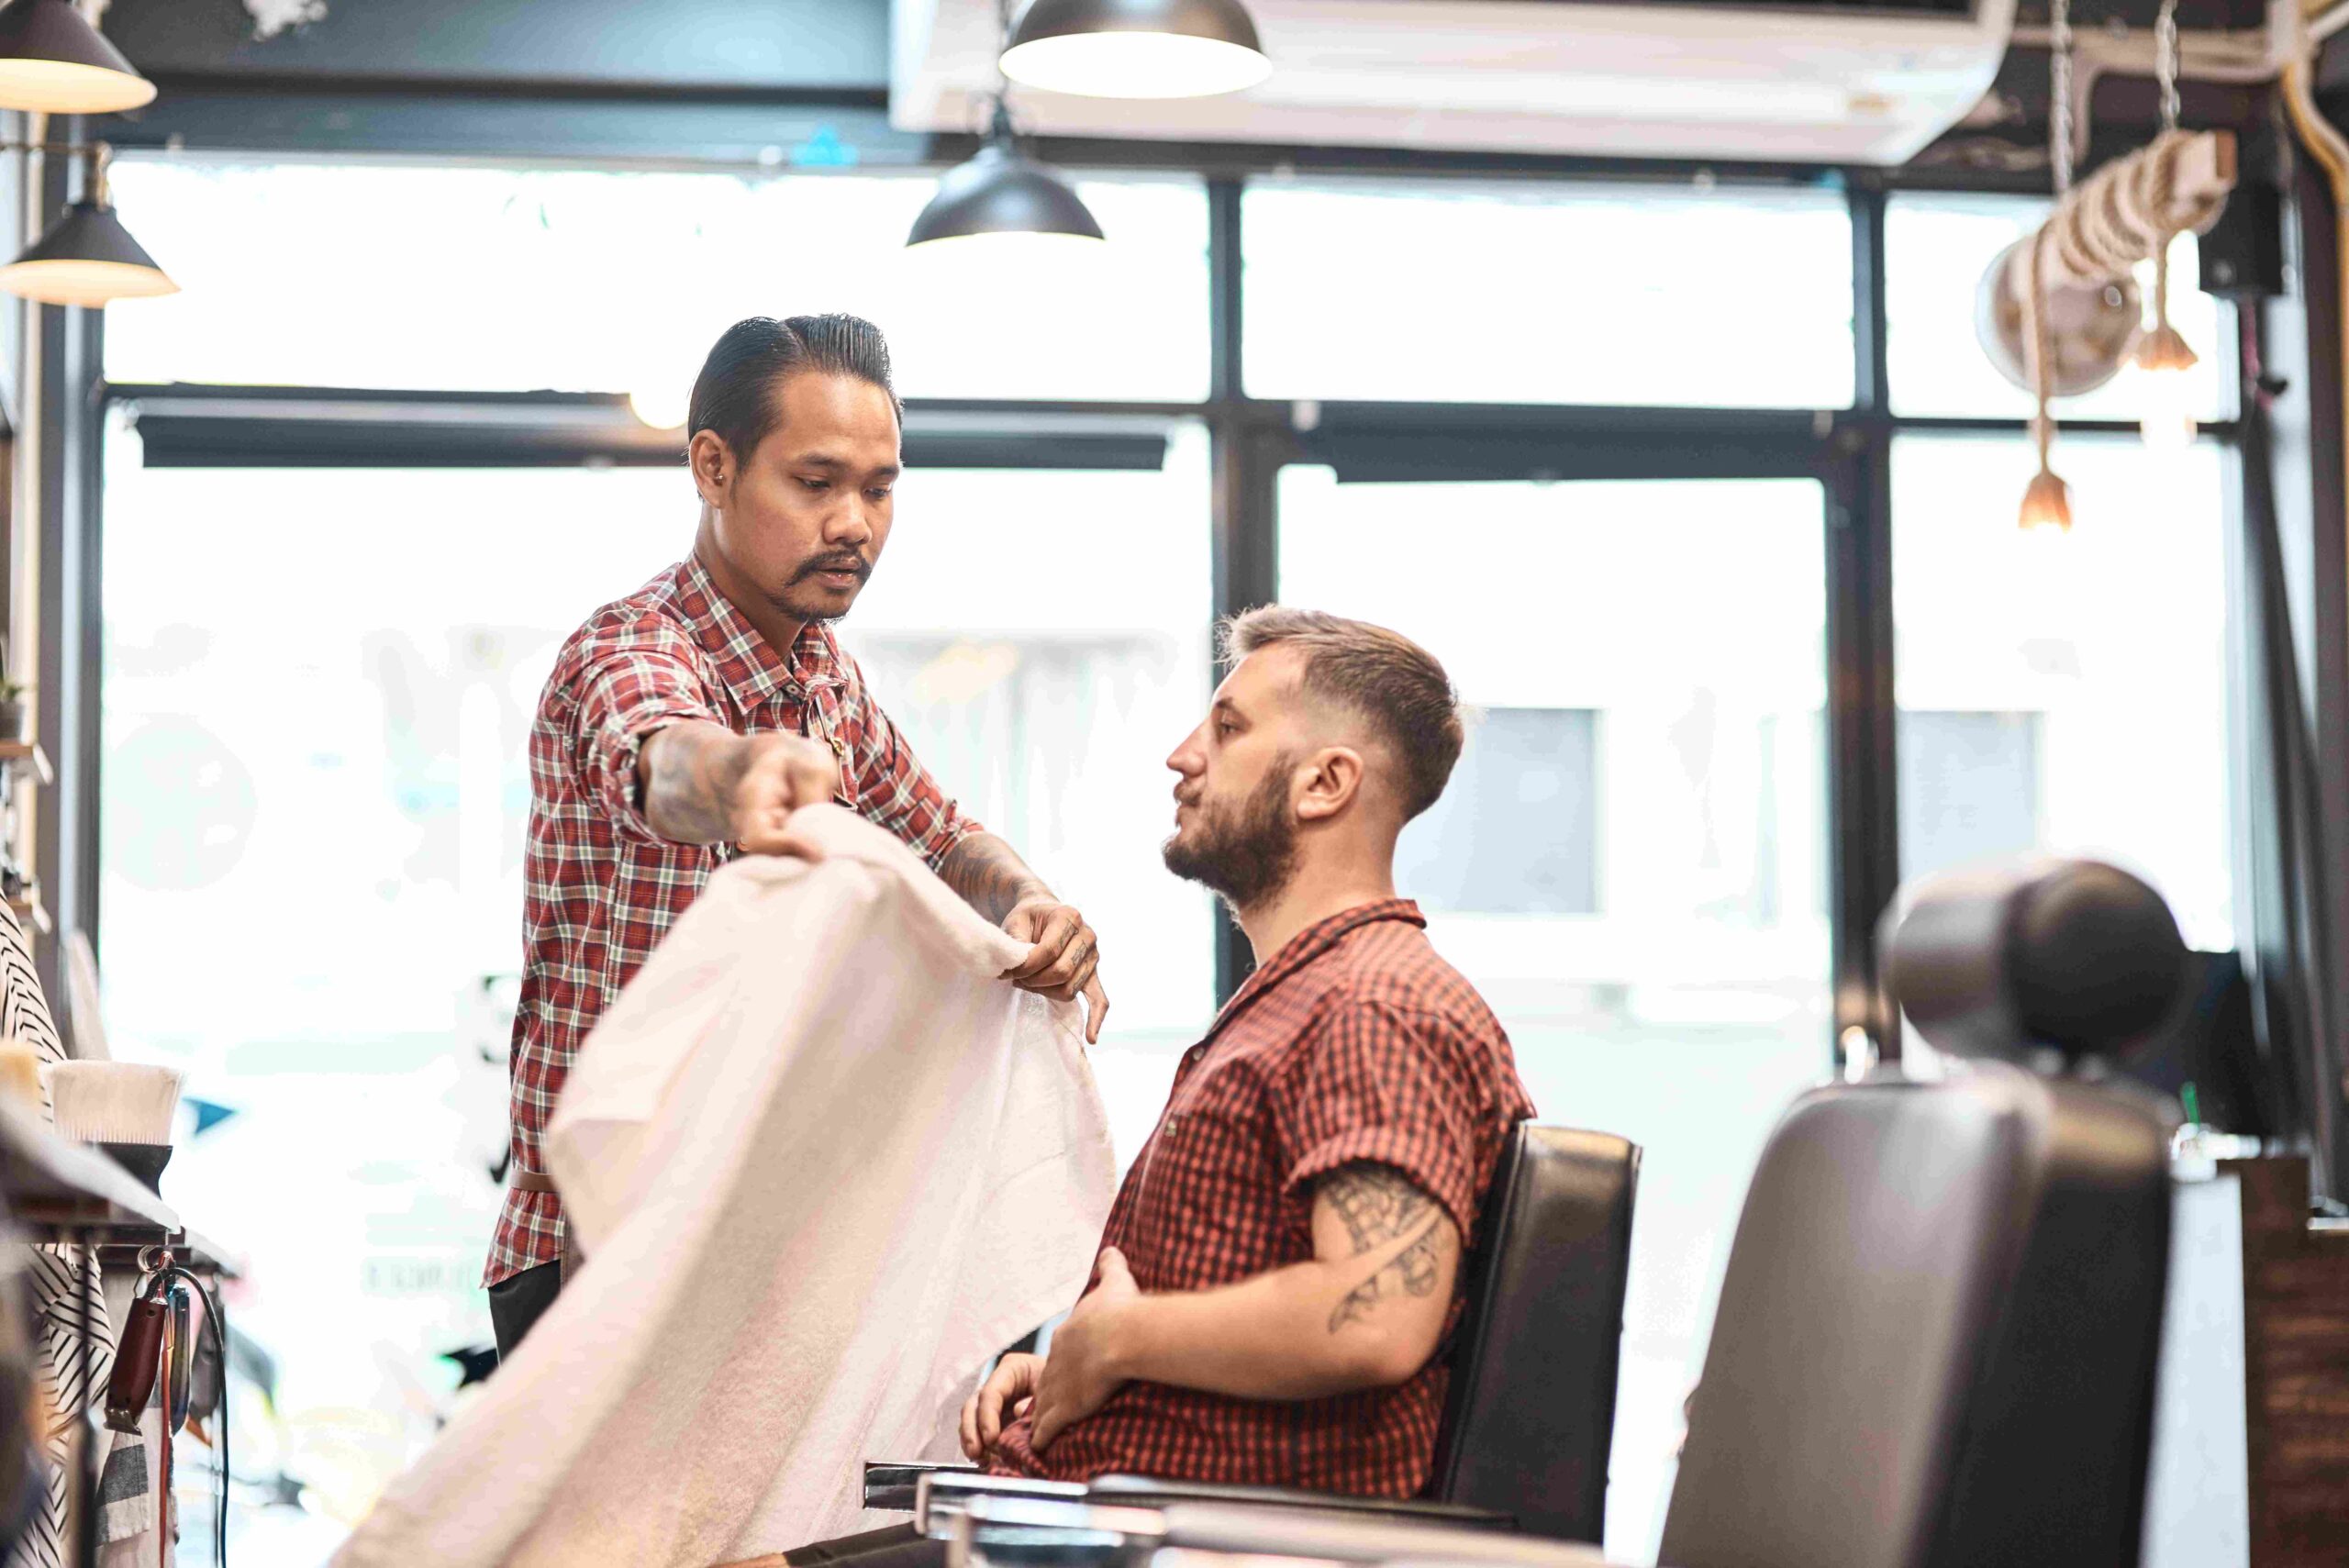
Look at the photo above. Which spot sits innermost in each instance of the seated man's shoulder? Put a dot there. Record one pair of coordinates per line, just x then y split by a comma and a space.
1405, 978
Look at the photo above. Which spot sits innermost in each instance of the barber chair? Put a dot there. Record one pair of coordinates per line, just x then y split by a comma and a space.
1530, 1414
1937, 1334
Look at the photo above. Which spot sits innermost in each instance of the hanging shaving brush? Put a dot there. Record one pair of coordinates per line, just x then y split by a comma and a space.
123, 1107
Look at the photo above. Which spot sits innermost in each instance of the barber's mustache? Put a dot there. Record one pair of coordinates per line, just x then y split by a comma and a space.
856, 563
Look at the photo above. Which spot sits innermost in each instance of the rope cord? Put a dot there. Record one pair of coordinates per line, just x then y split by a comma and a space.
2059, 92
2039, 346
2127, 212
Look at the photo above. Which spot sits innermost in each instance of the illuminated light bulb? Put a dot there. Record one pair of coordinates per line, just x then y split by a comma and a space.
54, 62
2047, 505
87, 259
2168, 390
1136, 49
662, 406
1137, 65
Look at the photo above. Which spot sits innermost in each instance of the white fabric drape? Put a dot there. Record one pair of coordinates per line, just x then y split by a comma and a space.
823, 1162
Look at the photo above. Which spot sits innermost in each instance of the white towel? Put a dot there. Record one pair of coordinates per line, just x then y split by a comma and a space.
824, 1162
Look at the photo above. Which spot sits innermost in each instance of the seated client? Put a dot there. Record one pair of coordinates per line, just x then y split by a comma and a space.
1283, 1262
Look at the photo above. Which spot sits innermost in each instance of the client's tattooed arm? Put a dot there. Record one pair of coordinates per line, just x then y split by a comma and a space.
1379, 1206
1366, 1311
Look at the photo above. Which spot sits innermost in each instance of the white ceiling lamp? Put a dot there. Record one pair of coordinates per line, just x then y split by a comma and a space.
1136, 49
51, 61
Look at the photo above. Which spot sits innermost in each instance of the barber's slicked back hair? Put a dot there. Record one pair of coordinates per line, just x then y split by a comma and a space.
734, 395
1382, 676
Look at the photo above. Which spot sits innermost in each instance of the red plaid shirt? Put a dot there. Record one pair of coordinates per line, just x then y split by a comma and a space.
1355, 1042
601, 887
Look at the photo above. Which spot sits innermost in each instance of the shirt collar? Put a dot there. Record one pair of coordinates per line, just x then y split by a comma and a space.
1311, 943
749, 664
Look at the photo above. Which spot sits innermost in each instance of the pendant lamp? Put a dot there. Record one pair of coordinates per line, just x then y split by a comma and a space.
87, 258
1136, 49
1002, 191
51, 61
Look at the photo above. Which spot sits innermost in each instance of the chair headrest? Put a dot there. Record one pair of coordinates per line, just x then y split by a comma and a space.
2076, 955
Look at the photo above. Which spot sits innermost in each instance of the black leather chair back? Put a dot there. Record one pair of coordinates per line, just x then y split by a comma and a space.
1530, 1414
1936, 1338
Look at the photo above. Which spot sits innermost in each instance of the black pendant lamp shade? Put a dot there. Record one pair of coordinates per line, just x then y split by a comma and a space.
51, 61
1002, 191
87, 258
1136, 49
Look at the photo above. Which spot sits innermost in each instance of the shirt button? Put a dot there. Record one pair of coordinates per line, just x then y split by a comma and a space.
791, 690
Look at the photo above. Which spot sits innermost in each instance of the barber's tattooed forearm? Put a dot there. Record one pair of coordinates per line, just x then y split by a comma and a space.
690, 788
1411, 1272
990, 876
1376, 1202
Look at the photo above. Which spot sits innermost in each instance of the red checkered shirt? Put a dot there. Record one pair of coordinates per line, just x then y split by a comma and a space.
1355, 1042
601, 888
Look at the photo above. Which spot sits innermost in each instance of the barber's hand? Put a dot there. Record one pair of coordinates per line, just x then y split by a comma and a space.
1064, 961
1003, 1399
778, 775
1082, 1372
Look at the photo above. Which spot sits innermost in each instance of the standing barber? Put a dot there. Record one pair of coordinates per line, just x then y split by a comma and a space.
685, 723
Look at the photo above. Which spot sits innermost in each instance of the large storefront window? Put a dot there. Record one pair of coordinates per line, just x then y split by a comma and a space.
1550, 293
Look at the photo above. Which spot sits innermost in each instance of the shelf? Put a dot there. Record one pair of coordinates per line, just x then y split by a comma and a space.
57, 1189
28, 750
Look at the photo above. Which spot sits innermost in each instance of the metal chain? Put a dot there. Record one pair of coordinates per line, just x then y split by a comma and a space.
2059, 92
997, 106
2166, 62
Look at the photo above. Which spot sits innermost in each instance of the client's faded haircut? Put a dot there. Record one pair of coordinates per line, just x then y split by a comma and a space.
1382, 675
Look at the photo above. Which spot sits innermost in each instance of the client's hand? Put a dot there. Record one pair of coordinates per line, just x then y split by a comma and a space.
1005, 1397
1084, 1369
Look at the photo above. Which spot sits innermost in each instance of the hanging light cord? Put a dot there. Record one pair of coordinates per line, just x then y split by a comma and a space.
999, 108
2038, 339
2166, 72
2059, 93
2042, 349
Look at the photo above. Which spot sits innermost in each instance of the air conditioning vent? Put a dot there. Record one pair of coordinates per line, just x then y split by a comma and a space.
1792, 81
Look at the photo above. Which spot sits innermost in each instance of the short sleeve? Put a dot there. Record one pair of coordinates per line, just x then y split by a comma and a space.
1386, 1083
892, 789
631, 684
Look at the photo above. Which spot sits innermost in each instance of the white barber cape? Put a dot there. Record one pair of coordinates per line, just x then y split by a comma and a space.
824, 1164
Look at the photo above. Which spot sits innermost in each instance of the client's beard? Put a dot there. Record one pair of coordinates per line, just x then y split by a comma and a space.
1247, 853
